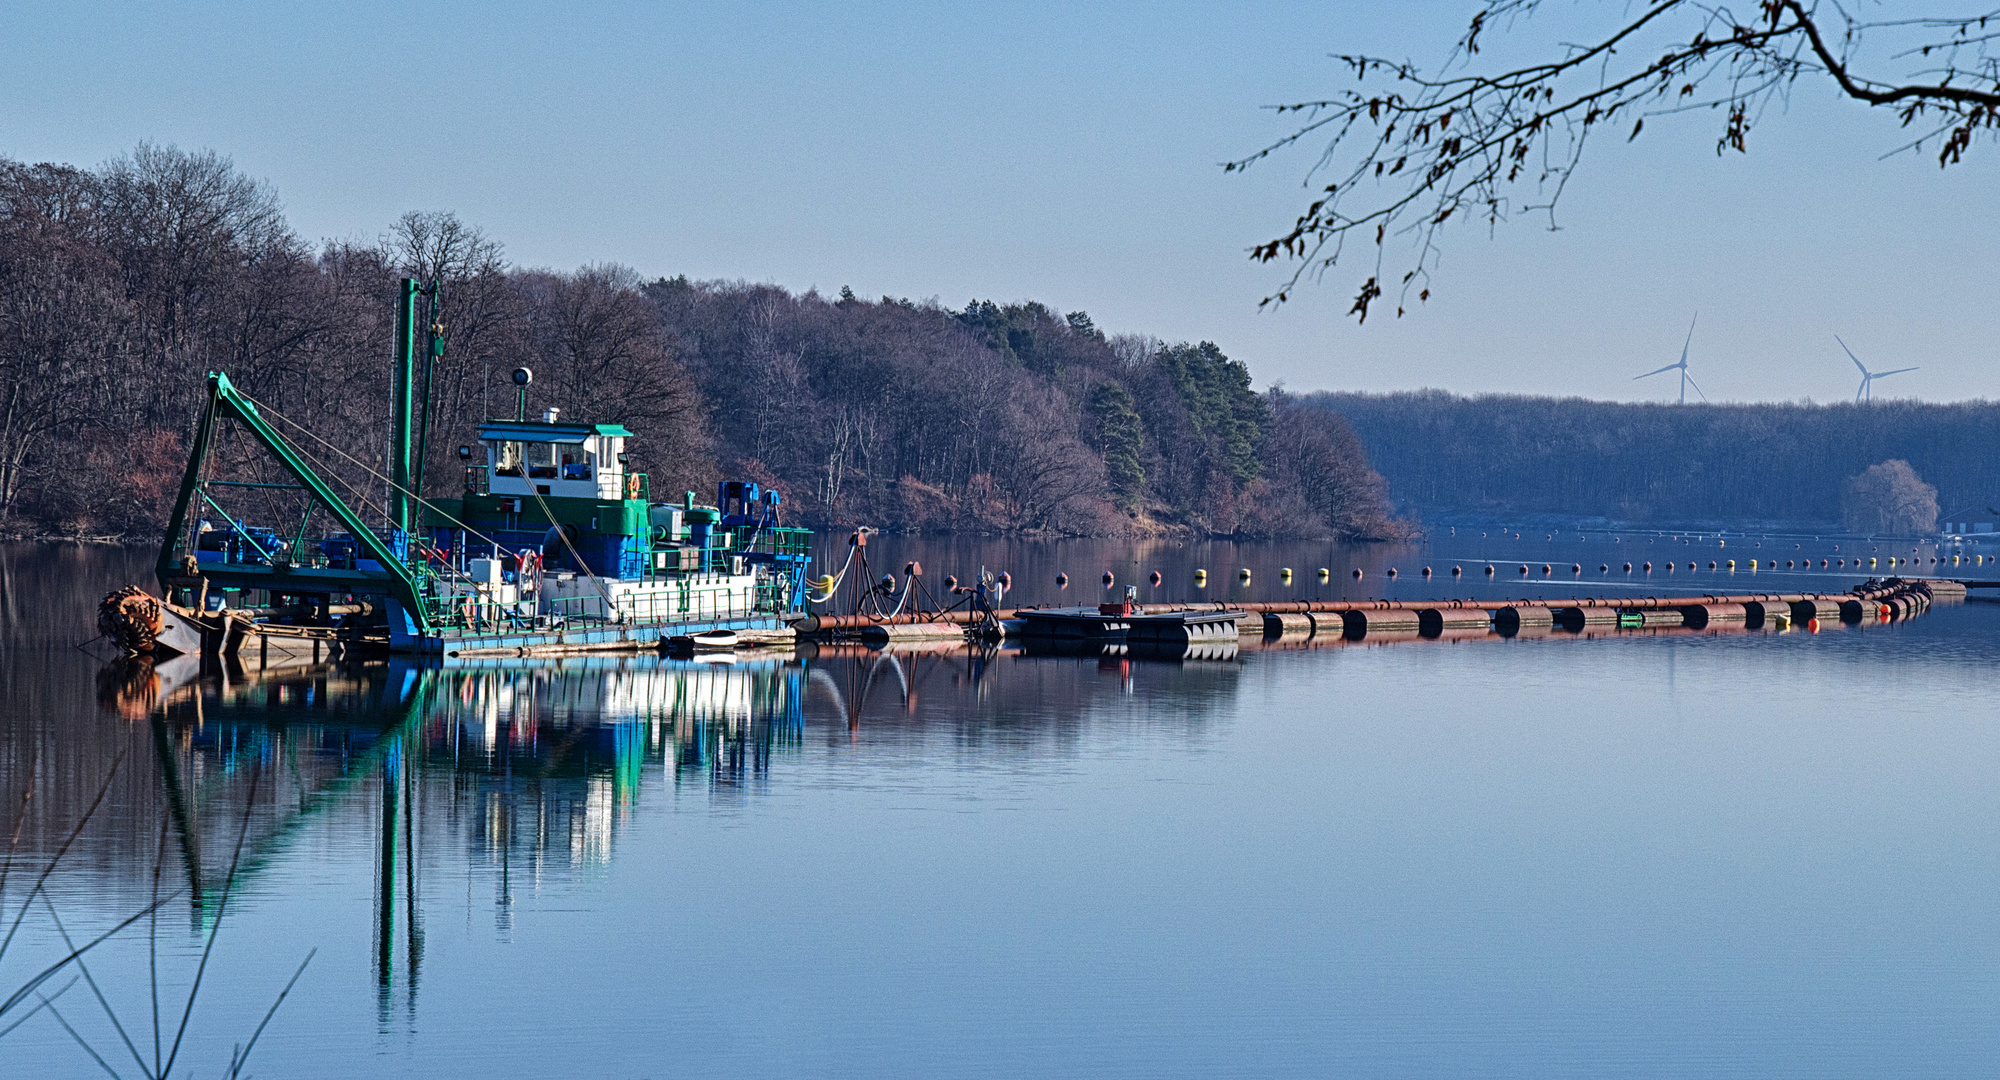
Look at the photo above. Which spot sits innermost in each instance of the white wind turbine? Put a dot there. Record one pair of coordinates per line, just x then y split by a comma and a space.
1866, 392
1686, 379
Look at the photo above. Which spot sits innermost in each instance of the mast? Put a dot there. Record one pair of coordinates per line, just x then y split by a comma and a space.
401, 389
433, 348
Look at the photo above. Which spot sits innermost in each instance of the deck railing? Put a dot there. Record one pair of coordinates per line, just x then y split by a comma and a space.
691, 603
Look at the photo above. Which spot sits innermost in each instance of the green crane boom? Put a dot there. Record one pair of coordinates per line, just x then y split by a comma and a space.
224, 401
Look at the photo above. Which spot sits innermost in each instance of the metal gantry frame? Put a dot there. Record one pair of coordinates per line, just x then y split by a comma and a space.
225, 402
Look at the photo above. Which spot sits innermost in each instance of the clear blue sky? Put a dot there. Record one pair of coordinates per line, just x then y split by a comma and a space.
1038, 150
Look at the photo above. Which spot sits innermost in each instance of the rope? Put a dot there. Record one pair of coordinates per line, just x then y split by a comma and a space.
365, 467
454, 573
359, 496
609, 603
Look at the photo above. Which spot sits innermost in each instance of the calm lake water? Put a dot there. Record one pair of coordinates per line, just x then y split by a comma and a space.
1734, 854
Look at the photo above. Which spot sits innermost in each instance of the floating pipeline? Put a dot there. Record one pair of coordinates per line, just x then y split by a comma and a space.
1526, 633
1884, 600
1881, 603
832, 624
913, 631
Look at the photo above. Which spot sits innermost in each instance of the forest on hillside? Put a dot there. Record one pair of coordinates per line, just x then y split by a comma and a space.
1666, 464
121, 286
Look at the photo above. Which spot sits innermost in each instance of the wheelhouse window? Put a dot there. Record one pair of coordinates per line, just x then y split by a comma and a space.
541, 458
507, 459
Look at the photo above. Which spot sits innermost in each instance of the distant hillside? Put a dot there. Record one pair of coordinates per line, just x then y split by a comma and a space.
1443, 454
122, 286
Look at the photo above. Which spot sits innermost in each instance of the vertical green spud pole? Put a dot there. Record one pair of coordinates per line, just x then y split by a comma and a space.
433, 348
399, 424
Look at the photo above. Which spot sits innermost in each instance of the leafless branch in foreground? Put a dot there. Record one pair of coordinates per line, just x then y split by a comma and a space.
1406, 159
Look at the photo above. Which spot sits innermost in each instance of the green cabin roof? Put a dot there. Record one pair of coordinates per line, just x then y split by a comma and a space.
536, 431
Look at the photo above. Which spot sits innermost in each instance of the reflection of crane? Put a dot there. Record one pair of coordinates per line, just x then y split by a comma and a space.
1682, 367
1866, 391
582, 733
384, 709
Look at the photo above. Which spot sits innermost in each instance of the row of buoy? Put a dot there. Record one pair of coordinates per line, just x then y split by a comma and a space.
1285, 573
1200, 577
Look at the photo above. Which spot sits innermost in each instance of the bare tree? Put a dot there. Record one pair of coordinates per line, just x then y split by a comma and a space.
62, 317
481, 313
1891, 499
1409, 157
607, 360
182, 225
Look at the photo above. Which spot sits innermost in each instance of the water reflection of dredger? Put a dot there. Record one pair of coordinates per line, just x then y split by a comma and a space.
602, 720
880, 689
527, 768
